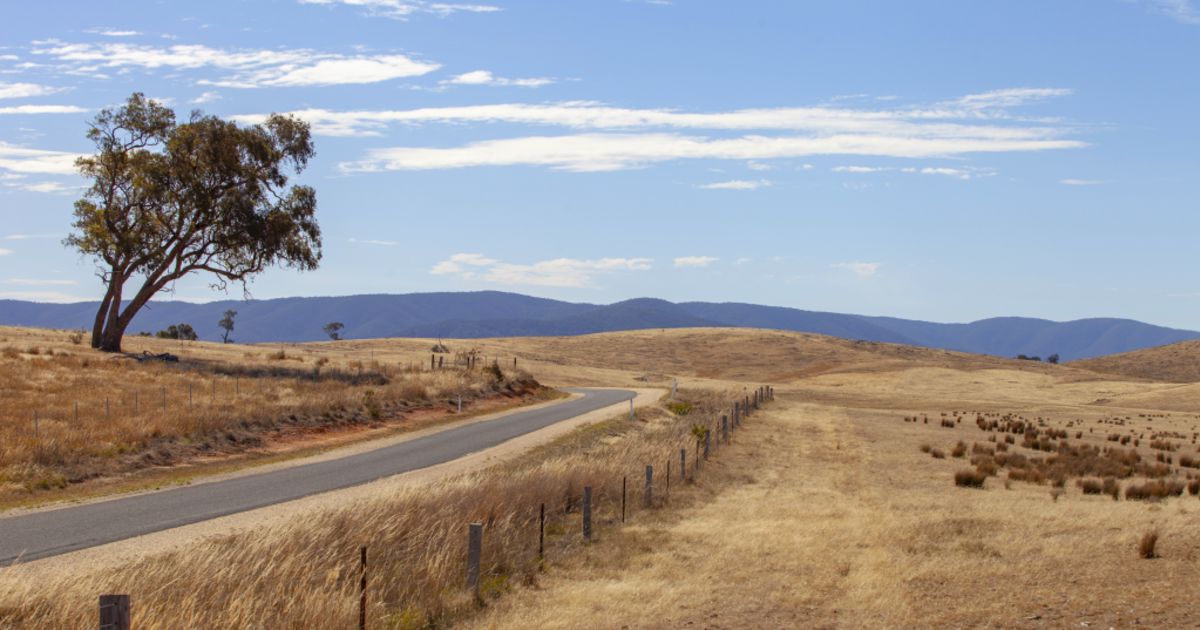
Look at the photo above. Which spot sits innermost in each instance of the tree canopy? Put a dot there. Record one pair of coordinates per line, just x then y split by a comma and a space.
169, 199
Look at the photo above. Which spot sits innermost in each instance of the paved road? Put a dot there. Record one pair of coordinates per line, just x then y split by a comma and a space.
52, 532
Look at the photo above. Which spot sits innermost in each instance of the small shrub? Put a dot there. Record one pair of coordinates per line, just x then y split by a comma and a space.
371, 404
680, 408
969, 478
1146, 547
1112, 488
937, 453
75, 337
1091, 486
959, 450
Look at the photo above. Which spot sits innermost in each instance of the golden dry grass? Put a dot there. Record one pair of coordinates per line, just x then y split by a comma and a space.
69, 413
1176, 363
824, 512
306, 574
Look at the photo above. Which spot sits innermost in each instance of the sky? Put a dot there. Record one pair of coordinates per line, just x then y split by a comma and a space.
946, 161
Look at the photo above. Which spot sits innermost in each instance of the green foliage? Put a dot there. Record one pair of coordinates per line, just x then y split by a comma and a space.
184, 332
700, 432
371, 404
334, 330
169, 199
226, 324
680, 408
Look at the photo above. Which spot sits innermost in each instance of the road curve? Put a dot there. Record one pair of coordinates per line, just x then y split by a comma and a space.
52, 532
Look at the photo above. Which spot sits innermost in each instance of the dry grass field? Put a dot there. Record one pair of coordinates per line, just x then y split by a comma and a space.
1175, 363
69, 414
830, 509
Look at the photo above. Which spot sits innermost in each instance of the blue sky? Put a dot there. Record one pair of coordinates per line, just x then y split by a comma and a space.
942, 160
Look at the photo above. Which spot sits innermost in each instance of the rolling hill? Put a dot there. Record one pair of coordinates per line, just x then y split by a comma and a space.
1175, 363
500, 314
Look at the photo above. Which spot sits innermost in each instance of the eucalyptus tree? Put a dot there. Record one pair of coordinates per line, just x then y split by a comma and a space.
169, 199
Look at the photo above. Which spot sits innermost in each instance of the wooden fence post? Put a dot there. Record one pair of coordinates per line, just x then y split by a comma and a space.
114, 612
725, 428
474, 553
649, 485
542, 535
624, 493
362, 589
432, 362
587, 513
707, 443
683, 463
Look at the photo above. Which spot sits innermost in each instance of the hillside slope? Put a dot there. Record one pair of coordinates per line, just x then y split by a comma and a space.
498, 314
1174, 363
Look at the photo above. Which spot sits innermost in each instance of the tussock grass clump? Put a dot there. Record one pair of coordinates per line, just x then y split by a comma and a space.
1153, 490
1091, 486
1148, 545
969, 478
937, 453
959, 450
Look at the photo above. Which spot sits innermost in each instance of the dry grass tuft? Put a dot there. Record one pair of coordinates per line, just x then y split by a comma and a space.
970, 478
1148, 544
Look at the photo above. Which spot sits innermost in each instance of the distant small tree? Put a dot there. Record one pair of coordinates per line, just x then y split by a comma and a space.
334, 330
226, 324
1052, 359
183, 332
1023, 357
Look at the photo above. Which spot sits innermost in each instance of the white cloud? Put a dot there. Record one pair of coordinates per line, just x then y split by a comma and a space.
40, 109
861, 269
1081, 182
113, 32
25, 90
806, 167
945, 171
1179, 10
33, 282
206, 97
41, 296
973, 124
402, 9
373, 242
18, 159
27, 237
759, 166
559, 272
738, 184
483, 77
684, 262
5, 252
248, 68
56, 188
860, 170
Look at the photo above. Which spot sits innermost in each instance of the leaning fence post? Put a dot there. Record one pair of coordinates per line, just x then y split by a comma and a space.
474, 552
587, 512
649, 485
114, 612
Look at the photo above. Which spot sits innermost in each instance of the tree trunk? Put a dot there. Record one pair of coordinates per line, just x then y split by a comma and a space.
98, 325
111, 339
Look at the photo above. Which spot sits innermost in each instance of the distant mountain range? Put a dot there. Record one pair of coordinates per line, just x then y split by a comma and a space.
499, 314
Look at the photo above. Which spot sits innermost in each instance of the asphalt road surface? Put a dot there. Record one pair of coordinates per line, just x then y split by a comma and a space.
52, 532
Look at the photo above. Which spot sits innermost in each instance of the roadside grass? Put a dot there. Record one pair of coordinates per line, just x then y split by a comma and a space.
305, 574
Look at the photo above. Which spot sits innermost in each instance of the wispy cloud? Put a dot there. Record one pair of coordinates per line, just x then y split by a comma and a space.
28, 237
684, 262
614, 138
206, 97
559, 272
484, 77
1080, 182
5, 252
55, 188
861, 269
36, 282
113, 32
403, 9
26, 90
944, 171
247, 68
738, 184
370, 241
17, 159
40, 109
54, 297
1179, 10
